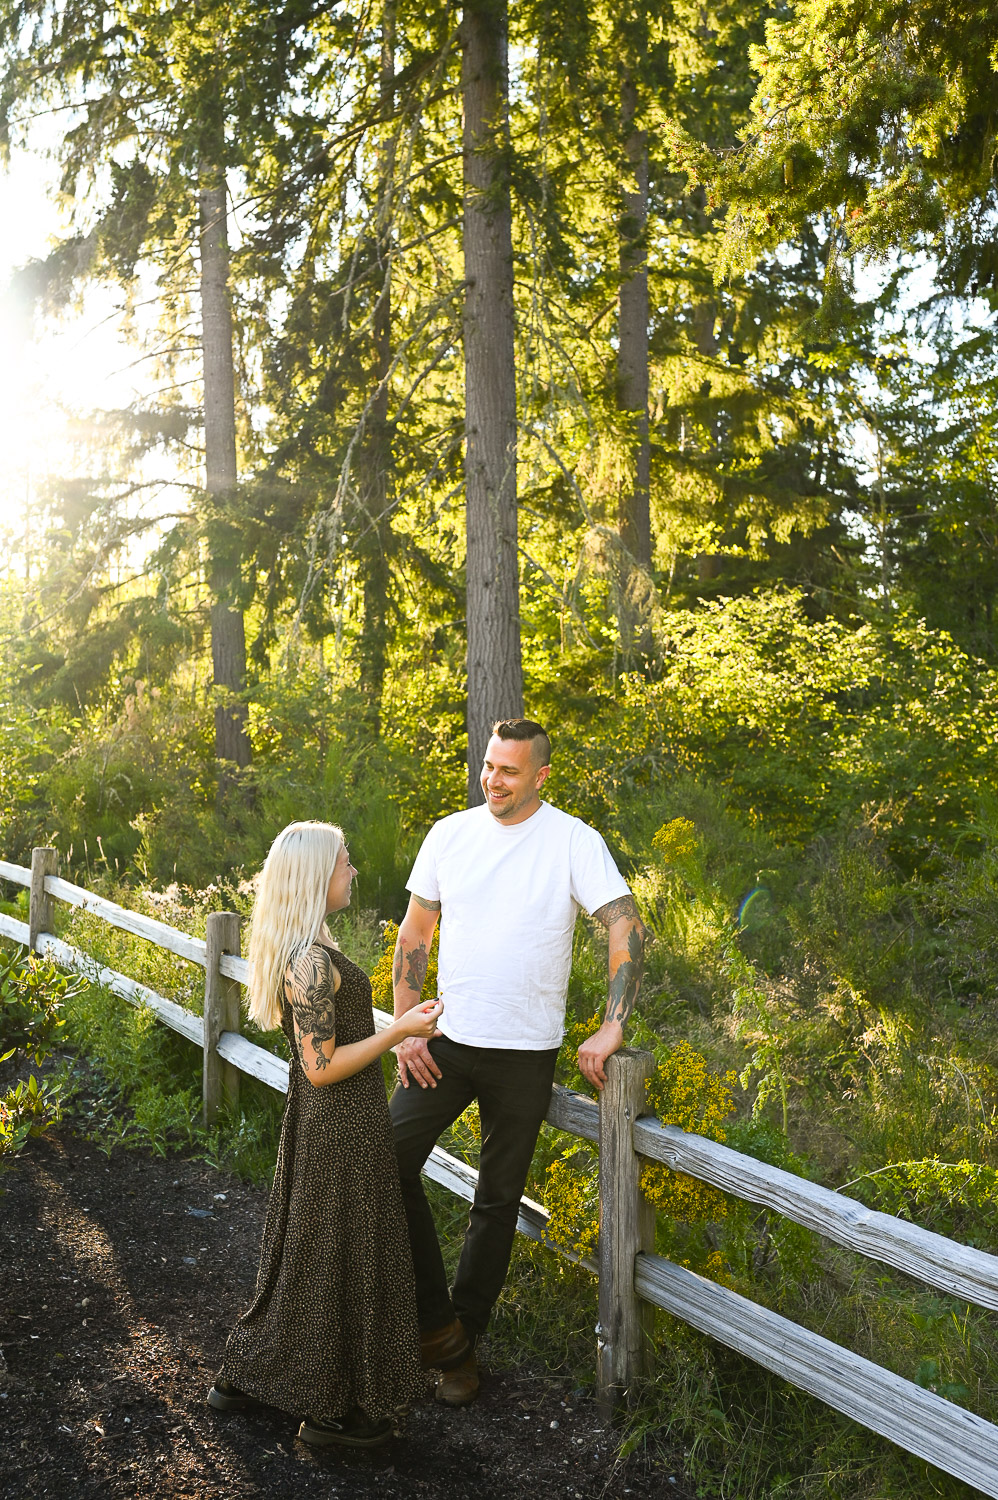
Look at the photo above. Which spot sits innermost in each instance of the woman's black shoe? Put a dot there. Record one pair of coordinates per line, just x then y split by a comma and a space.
224, 1396
354, 1431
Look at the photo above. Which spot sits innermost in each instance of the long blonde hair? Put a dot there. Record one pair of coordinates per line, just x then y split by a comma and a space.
290, 910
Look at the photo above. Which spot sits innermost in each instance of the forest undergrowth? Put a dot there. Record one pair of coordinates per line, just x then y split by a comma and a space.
813, 842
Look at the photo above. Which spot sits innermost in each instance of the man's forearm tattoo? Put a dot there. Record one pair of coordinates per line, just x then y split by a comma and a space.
416, 972
309, 988
426, 905
625, 981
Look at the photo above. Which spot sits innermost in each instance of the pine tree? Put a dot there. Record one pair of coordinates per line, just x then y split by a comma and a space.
495, 678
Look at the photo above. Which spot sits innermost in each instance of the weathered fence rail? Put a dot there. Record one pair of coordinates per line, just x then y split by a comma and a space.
632, 1278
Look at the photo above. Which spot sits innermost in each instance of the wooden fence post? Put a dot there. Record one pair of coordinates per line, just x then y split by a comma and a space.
43, 862
220, 1079
626, 1225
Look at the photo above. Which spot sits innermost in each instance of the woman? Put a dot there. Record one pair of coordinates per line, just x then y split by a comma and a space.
332, 1330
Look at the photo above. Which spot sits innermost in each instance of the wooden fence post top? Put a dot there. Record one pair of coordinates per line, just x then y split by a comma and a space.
632, 1064
224, 921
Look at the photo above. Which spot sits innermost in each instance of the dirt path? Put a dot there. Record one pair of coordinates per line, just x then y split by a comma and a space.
119, 1280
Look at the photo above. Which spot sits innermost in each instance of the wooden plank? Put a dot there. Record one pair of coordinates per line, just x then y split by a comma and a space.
43, 862
626, 1226
925, 1424
969, 1274
10, 927
154, 931
219, 1079
16, 874
171, 1014
574, 1113
234, 968
256, 1061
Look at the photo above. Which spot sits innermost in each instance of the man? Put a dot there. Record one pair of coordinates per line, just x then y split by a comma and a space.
506, 881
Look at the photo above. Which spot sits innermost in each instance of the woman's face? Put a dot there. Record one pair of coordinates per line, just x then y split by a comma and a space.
338, 893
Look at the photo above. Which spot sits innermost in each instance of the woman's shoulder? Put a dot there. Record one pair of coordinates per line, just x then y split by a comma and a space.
313, 964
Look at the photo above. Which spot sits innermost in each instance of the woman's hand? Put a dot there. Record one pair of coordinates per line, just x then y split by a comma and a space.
420, 1020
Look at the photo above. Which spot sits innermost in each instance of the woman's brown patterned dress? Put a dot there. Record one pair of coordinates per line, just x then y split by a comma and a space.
333, 1323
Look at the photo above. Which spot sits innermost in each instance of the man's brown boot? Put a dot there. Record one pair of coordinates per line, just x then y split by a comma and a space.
458, 1387
445, 1347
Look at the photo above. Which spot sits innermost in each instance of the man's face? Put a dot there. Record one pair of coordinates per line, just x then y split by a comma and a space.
511, 779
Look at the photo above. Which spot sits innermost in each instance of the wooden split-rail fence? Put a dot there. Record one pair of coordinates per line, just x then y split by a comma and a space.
632, 1278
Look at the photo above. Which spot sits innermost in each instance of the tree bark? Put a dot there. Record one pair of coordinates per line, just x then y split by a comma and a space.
228, 636
708, 564
632, 352
375, 543
495, 675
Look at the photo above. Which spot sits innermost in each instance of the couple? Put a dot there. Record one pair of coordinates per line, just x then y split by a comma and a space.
352, 1302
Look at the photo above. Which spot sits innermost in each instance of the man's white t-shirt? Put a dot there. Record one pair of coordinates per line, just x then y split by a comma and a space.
508, 902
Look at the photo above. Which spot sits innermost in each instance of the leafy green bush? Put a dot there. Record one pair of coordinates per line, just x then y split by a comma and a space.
32, 996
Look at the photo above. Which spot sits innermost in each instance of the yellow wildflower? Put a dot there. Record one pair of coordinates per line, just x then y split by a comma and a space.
676, 842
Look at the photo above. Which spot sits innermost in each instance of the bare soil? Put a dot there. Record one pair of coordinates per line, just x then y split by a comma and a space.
120, 1278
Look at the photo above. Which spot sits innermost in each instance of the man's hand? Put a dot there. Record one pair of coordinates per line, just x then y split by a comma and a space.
416, 1063
596, 1049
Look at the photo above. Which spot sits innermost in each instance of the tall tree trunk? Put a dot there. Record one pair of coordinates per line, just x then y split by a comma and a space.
632, 351
495, 675
375, 542
228, 636
709, 564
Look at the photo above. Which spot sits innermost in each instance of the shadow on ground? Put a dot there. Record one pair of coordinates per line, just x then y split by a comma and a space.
120, 1277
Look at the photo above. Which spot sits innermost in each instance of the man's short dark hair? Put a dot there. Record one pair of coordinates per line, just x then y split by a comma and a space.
526, 729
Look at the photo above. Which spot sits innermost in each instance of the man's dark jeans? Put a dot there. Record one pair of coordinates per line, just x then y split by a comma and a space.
513, 1090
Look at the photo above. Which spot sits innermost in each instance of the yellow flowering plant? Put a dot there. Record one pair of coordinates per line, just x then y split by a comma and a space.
676, 842
571, 1197
683, 1091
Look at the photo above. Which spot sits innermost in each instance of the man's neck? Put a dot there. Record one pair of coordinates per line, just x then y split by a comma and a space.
522, 816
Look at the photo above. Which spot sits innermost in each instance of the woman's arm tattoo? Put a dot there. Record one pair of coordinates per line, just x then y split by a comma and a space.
309, 988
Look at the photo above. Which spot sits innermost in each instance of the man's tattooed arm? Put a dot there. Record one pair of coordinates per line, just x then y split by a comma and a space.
625, 978
623, 906
310, 989
412, 951
627, 935
415, 972
411, 959
426, 905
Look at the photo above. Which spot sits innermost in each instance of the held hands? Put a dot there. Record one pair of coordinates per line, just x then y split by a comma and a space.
413, 1056
596, 1049
421, 1020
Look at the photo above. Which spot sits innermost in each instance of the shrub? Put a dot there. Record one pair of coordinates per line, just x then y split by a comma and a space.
32, 995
